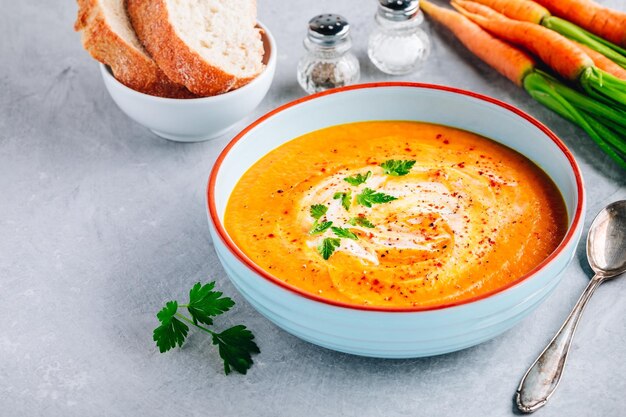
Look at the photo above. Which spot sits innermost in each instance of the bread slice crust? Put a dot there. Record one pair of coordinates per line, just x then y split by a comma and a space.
130, 66
180, 62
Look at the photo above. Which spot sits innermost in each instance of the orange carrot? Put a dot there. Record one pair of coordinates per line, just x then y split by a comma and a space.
603, 62
602, 122
525, 10
605, 22
509, 61
558, 52
529, 11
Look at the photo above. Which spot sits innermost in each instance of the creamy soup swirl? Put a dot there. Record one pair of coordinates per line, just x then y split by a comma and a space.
436, 221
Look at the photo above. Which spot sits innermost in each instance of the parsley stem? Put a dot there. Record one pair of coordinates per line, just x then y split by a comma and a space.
188, 320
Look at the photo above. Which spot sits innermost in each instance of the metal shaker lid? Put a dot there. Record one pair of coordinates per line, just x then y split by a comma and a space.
399, 10
328, 29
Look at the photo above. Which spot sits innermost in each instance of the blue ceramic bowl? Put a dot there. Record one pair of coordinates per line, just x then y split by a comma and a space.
387, 332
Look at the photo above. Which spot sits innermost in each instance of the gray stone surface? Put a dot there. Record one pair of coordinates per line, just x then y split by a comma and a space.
101, 222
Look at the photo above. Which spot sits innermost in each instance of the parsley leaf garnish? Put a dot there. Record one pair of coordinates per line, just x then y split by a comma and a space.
235, 345
361, 221
172, 331
358, 178
397, 167
346, 199
369, 197
341, 232
205, 303
328, 246
319, 227
318, 210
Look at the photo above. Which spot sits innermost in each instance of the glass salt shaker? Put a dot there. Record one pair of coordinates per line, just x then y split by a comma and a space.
329, 62
398, 45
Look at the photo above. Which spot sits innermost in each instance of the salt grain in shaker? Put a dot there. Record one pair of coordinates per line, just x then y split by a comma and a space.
397, 45
329, 62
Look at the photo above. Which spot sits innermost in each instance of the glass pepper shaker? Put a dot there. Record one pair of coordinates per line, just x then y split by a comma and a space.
398, 45
329, 62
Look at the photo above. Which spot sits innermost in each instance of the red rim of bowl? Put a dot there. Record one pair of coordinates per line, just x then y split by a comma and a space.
241, 256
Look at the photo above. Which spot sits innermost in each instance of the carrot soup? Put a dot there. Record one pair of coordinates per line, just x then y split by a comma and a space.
395, 214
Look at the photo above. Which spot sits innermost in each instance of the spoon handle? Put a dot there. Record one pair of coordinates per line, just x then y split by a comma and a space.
542, 378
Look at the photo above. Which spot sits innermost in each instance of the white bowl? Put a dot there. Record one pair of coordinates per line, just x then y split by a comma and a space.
198, 119
399, 332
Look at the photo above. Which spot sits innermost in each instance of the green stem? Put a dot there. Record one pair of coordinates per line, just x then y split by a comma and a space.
603, 41
582, 101
593, 94
572, 31
541, 89
188, 320
596, 80
608, 135
619, 129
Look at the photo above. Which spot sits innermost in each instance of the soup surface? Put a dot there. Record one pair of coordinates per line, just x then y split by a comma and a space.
397, 214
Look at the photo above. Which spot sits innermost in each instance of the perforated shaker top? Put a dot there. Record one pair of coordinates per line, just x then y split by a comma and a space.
328, 29
399, 9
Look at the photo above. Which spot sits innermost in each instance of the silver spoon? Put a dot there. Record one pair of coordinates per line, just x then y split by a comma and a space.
606, 252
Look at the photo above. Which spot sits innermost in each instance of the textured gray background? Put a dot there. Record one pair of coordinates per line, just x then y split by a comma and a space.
101, 222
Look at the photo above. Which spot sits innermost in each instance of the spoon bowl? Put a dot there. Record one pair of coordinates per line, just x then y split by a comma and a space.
606, 242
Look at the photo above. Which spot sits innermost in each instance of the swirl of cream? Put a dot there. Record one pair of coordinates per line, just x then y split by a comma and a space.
441, 218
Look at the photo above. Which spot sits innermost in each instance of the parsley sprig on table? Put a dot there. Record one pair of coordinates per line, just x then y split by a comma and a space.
235, 345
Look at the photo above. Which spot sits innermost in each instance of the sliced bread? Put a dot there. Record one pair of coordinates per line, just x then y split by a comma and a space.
210, 46
109, 37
